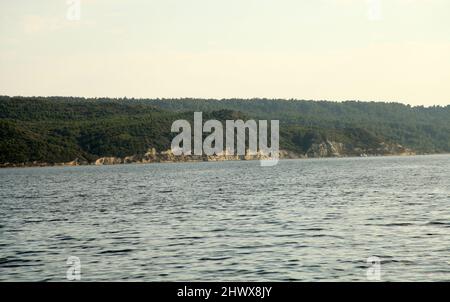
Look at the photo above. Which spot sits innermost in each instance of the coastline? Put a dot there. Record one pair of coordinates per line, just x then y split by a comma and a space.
324, 149
196, 160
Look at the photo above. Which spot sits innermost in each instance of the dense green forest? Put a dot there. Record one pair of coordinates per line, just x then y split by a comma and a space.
60, 129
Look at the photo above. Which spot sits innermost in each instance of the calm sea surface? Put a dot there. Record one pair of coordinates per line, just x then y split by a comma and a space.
317, 219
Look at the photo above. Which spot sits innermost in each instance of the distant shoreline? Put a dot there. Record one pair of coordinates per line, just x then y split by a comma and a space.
70, 164
59, 131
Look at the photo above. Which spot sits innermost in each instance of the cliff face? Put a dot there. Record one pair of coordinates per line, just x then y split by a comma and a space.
325, 148
109, 161
337, 149
152, 156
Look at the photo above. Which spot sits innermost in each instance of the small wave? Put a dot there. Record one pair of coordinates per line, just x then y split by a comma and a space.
33, 221
214, 258
118, 252
16, 262
28, 252
187, 238
63, 237
394, 224
446, 224
219, 229
399, 261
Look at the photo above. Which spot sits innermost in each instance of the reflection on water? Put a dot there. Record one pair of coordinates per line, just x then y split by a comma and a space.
229, 221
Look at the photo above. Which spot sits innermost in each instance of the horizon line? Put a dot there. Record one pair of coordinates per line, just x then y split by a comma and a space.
229, 99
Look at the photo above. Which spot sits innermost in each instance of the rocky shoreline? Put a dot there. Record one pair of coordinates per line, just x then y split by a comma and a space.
319, 150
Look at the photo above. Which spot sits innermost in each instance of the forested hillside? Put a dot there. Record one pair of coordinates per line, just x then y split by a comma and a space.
60, 129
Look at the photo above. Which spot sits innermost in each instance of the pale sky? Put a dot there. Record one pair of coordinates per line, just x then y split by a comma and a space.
372, 50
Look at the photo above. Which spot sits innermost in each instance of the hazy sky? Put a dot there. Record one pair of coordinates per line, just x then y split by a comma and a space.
386, 50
